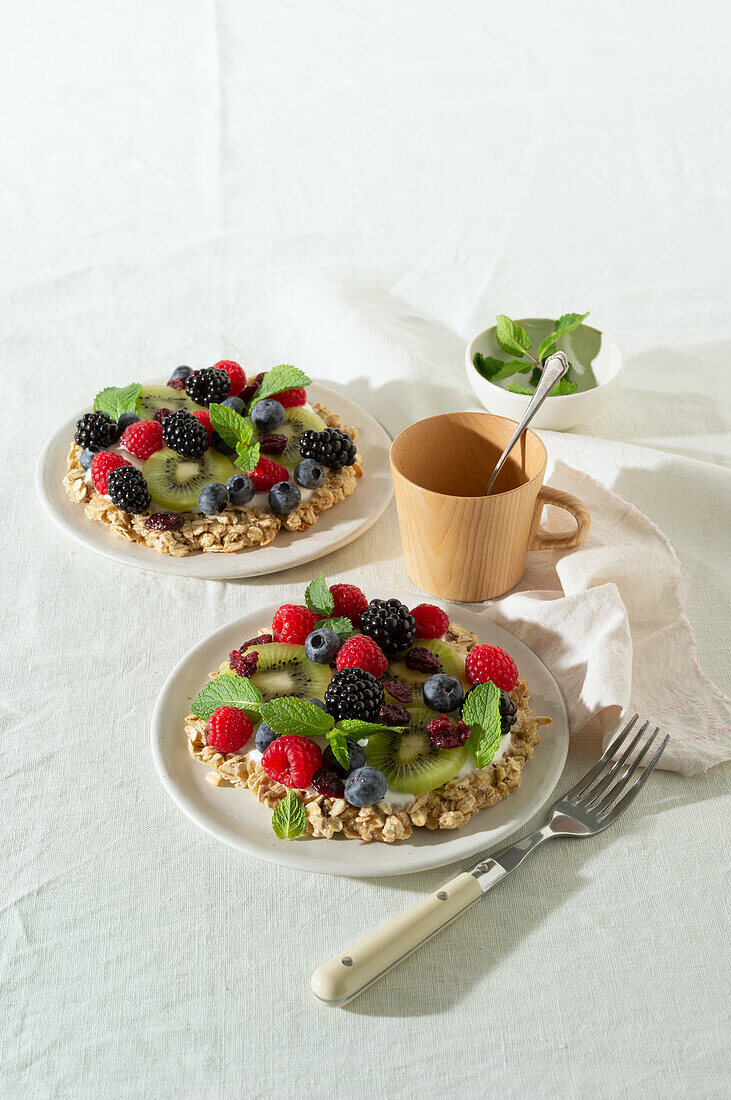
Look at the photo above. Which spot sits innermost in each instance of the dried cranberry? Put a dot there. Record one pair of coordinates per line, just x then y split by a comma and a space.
393, 714
176, 383
262, 639
422, 660
328, 783
161, 414
443, 735
165, 521
273, 444
399, 691
243, 664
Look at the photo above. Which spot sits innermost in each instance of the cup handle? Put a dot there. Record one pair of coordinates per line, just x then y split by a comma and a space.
543, 539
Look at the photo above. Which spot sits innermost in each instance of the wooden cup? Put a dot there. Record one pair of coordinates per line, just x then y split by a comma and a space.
458, 543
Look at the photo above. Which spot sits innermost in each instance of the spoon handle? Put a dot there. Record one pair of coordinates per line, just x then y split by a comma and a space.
553, 371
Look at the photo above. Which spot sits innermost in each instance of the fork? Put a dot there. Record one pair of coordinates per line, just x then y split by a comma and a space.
591, 806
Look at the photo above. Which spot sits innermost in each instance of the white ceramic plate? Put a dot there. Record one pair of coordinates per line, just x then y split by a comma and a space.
234, 816
334, 528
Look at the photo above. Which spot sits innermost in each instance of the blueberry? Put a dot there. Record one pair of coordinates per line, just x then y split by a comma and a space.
212, 499
321, 646
87, 457
264, 737
357, 758
218, 443
240, 489
318, 703
309, 474
268, 415
443, 692
236, 404
180, 372
284, 497
365, 786
126, 419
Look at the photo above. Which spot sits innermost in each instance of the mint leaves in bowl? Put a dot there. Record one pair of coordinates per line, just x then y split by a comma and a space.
504, 363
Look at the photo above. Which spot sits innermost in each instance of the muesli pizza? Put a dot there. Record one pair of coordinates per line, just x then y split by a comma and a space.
211, 461
365, 719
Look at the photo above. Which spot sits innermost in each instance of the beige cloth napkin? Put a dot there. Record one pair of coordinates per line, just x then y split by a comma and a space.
607, 618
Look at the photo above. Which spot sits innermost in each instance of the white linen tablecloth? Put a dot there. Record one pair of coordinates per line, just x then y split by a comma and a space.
357, 189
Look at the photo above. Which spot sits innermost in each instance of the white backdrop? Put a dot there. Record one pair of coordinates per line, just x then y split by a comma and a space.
356, 189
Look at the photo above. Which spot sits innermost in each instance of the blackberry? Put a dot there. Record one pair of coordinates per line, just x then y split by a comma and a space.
354, 693
96, 431
208, 386
329, 447
390, 624
183, 433
508, 713
128, 489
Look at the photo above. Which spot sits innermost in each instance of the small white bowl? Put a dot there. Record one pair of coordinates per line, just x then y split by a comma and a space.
556, 413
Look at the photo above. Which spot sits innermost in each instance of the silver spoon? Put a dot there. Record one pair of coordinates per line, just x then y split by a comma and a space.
553, 371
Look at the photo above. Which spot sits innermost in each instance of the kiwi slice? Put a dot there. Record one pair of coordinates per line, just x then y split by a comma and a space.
152, 398
283, 669
175, 482
409, 761
451, 661
298, 421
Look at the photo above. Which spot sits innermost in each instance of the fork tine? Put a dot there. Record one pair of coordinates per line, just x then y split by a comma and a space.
623, 780
591, 775
632, 793
595, 793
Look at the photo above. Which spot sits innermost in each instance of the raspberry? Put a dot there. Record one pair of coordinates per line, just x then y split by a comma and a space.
393, 714
162, 413
292, 623
399, 691
235, 373
389, 623
328, 783
431, 621
101, 467
362, 652
143, 438
489, 662
273, 444
290, 398
422, 660
243, 664
268, 473
229, 729
349, 602
443, 735
204, 417
292, 760
165, 521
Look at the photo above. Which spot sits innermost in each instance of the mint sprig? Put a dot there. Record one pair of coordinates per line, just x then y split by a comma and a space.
292, 715
342, 626
339, 745
227, 691
237, 431
481, 712
278, 379
289, 817
514, 340
354, 727
115, 400
319, 598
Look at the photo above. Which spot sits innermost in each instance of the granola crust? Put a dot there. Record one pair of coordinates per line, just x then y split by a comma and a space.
234, 529
449, 807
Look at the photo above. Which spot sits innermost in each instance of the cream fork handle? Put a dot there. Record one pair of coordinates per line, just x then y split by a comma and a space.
349, 973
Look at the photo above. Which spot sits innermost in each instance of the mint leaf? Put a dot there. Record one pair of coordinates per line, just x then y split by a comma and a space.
115, 400
289, 817
568, 323
342, 626
357, 729
486, 365
292, 715
247, 456
230, 425
227, 691
481, 712
511, 337
319, 598
547, 345
279, 379
515, 388
339, 746
563, 387
507, 370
